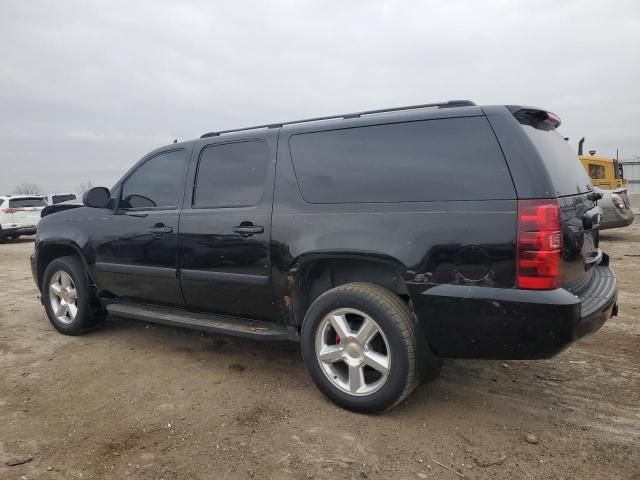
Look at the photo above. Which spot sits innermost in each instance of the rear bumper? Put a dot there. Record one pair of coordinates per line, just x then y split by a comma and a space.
616, 218
494, 323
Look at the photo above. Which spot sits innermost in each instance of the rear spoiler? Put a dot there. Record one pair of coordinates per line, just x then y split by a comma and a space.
535, 117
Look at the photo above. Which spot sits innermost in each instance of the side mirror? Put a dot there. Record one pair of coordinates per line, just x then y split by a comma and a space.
96, 197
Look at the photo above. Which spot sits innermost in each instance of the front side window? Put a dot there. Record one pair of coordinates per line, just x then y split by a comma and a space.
158, 183
231, 175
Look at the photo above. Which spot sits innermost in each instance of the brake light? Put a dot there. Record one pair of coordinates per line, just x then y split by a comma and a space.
539, 248
540, 119
12, 210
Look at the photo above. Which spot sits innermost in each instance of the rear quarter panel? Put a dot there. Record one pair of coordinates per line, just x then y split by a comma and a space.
427, 241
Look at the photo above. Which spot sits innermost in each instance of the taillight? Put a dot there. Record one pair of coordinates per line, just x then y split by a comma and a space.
12, 210
539, 249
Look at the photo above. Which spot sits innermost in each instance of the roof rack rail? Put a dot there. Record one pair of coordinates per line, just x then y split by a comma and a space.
449, 104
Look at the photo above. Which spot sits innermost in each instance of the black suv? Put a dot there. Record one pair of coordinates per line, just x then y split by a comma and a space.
382, 241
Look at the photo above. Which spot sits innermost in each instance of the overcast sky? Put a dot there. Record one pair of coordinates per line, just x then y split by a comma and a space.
87, 88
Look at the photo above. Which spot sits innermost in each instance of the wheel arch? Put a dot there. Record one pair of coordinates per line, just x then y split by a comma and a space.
315, 273
52, 249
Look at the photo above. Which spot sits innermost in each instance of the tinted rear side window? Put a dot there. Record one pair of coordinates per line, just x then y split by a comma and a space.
27, 202
231, 175
446, 159
565, 169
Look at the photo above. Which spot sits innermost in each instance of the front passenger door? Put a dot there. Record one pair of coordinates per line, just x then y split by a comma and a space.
136, 249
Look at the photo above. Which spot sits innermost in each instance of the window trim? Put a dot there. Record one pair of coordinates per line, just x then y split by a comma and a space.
121, 184
194, 187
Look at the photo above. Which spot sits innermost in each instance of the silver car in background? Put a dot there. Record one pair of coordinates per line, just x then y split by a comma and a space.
616, 208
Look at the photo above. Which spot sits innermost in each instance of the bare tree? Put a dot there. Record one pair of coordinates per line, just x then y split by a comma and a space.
84, 186
27, 188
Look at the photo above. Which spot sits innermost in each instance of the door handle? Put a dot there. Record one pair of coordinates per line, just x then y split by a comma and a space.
246, 229
159, 229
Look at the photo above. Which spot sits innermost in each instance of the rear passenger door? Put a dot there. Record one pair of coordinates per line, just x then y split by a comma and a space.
225, 227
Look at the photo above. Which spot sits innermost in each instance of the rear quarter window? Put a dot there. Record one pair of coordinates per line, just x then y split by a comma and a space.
431, 160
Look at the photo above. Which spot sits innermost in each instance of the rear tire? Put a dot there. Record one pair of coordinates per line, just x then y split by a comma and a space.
363, 376
67, 297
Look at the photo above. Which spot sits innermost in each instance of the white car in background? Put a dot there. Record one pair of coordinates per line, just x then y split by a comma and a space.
56, 198
19, 215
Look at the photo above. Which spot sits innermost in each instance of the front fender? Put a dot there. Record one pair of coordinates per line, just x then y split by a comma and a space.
59, 236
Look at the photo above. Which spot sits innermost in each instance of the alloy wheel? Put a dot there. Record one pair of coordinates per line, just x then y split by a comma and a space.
63, 297
353, 351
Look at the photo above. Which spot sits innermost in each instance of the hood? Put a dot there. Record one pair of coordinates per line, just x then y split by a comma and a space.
60, 207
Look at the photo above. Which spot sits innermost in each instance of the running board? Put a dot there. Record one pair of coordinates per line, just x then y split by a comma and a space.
240, 327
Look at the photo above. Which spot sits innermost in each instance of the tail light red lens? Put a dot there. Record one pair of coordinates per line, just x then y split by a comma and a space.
12, 210
539, 249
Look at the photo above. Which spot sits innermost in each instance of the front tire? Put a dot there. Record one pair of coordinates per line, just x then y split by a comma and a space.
67, 298
360, 347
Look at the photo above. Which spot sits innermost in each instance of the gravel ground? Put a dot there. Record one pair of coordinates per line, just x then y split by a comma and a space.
133, 400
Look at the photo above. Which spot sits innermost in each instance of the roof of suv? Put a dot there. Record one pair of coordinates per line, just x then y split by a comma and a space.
384, 113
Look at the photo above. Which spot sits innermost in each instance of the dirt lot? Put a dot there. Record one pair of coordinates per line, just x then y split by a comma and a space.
133, 400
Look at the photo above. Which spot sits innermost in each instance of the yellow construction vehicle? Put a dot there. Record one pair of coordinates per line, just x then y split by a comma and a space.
605, 172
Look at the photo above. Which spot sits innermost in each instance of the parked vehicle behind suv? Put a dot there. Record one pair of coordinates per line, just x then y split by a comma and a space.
382, 241
55, 198
19, 215
616, 208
